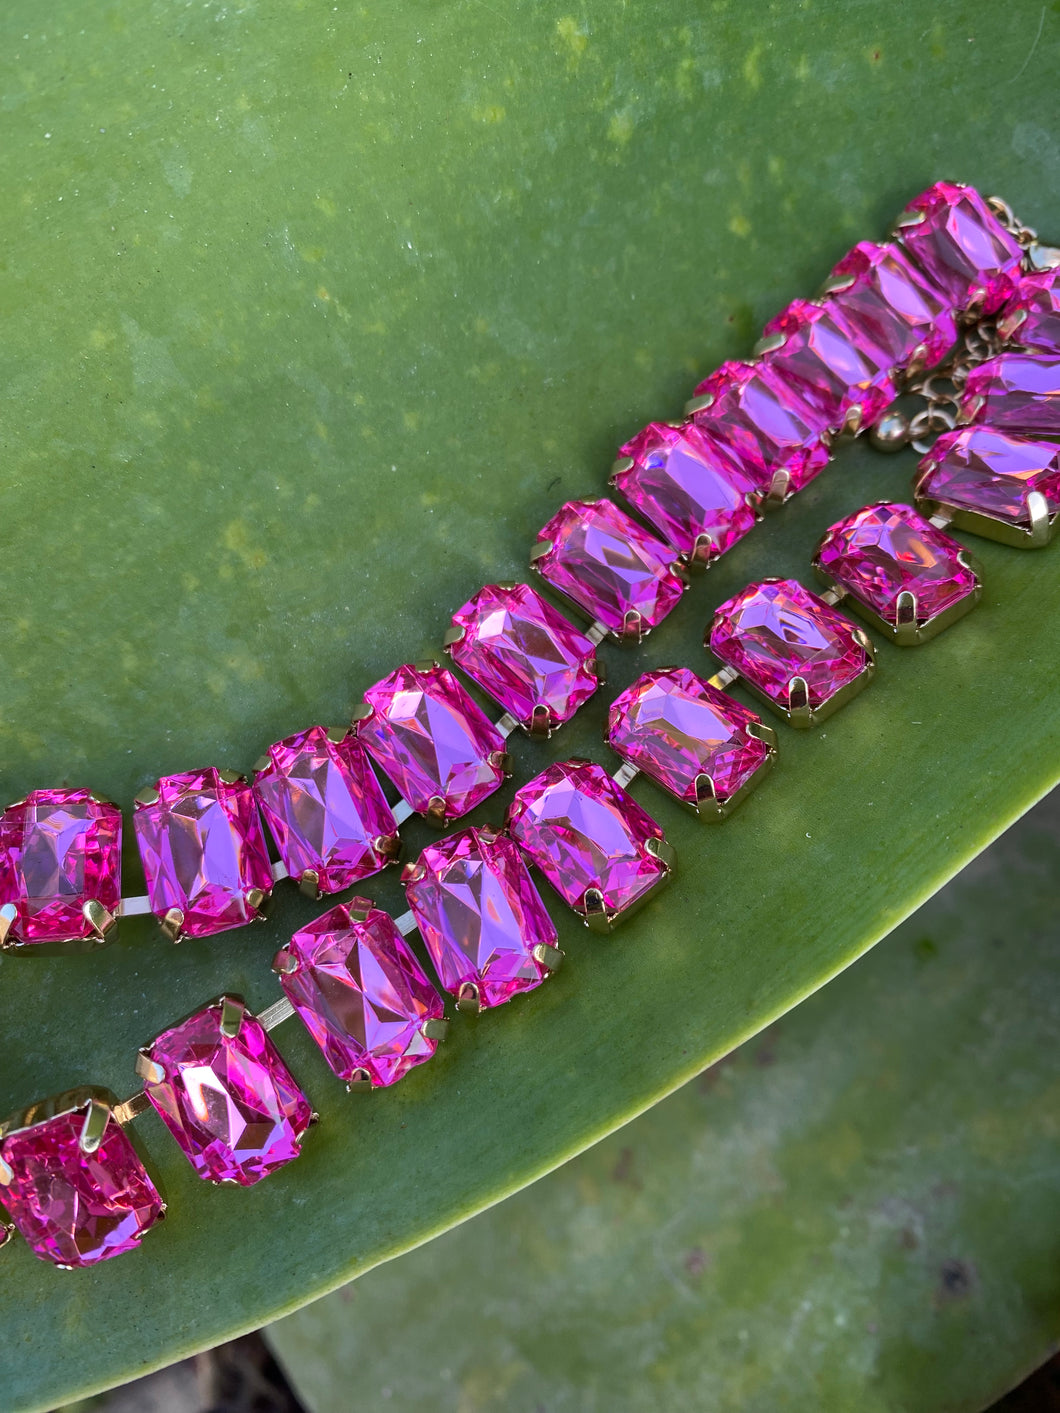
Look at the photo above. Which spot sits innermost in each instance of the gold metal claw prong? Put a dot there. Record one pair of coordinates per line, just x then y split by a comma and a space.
1038, 510
852, 421
232, 1012
662, 850
1042, 257
598, 667
619, 467
706, 795
968, 411
905, 624
539, 727
703, 552
359, 1080
594, 912
147, 796
232, 777
388, 846
337, 734
778, 490
763, 732
456, 634
149, 1070
632, 630
437, 1028
103, 923
413, 872
908, 219
262, 763
547, 956
309, 884
835, 283
255, 900
284, 962
359, 908
426, 664
799, 713
94, 1126
539, 551
7, 1173
8, 917
469, 999
502, 761
172, 924
362, 712
435, 812
768, 343
699, 404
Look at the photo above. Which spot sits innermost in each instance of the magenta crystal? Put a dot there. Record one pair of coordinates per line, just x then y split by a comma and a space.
1031, 318
893, 306
610, 566
58, 850
480, 915
886, 550
325, 809
230, 1102
990, 473
203, 852
676, 727
683, 486
361, 993
586, 834
775, 631
830, 366
1017, 392
962, 246
525, 654
432, 740
761, 427
76, 1208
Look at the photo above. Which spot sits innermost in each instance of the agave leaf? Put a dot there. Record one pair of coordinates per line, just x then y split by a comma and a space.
312, 316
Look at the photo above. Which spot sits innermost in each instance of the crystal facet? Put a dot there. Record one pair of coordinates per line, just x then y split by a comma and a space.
230, 1102
776, 631
610, 566
893, 305
990, 473
677, 728
1016, 392
203, 852
962, 246
325, 809
587, 835
75, 1208
1031, 318
525, 654
361, 993
480, 915
761, 427
831, 367
887, 550
684, 487
432, 740
58, 850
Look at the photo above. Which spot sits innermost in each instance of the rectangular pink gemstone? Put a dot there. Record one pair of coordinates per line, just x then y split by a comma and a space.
1031, 318
887, 301
961, 245
1015, 392
990, 473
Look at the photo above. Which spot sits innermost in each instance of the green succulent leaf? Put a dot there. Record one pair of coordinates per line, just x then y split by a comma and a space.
856, 1210
312, 317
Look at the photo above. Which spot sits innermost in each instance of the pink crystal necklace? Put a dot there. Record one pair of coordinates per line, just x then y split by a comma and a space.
961, 305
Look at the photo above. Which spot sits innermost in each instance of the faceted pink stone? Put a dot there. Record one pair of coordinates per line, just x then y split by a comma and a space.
361, 993
831, 367
524, 653
1031, 318
585, 832
893, 305
990, 473
761, 427
76, 1208
675, 727
886, 550
776, 631
1018, 392
58, 850
684, 487
230, 1102
203, 851
962, 247
325, 809
432, 740
609, 565
480, 915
